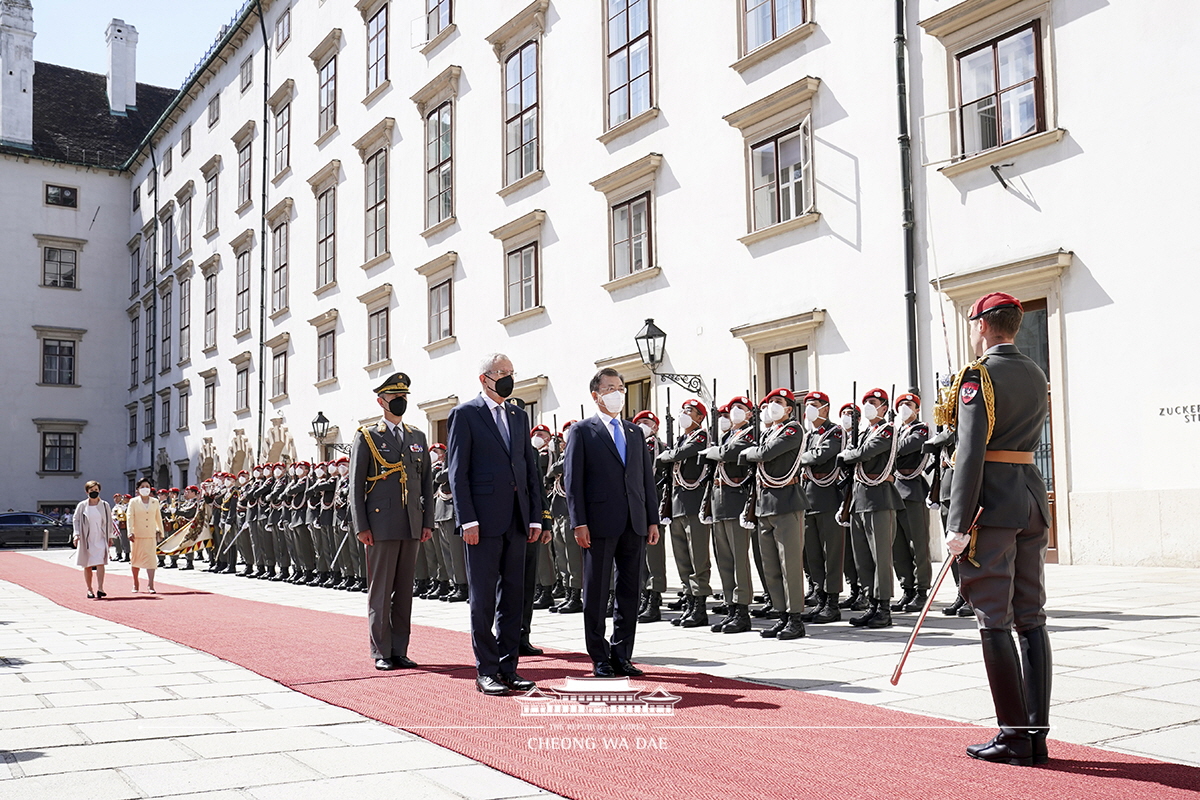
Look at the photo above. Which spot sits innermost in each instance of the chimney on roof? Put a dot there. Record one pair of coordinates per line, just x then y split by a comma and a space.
16, 73
122, 66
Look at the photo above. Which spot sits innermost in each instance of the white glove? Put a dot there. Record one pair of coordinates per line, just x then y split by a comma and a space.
665, 521
745, 523
956, 542
706, 520
710, 453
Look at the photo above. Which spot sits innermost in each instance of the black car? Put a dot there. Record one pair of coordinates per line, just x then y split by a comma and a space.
27, 527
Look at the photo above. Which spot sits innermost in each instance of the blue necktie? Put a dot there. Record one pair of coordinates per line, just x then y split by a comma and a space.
619, 438
502, 424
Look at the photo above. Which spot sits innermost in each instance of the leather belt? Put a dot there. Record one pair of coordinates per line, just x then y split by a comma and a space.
875, 477
1009, 456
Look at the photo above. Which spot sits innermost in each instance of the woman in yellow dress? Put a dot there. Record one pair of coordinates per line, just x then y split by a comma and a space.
144, 521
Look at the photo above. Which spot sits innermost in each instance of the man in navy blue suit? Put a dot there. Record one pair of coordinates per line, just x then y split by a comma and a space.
498, 504
613, 507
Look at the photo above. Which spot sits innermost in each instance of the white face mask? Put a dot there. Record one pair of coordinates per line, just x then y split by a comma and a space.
300, 473
144, 491
257, 474
693, 424
812, 413
242, 479
278, 473
613, 402
343, 469
737, 415
847, 421
870, 413
724, 424
773, 412
905, 413
647, 431
538, 442
228, 482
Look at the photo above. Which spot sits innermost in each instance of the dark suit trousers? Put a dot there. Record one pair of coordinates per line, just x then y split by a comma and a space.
496, 576
533, 554
625, 553
390, 567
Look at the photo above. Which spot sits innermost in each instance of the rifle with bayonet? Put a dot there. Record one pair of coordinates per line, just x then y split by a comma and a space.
664, 510
706, 504
843, 515
749, 517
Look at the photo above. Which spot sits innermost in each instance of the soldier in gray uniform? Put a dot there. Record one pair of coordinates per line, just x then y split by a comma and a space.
999, 514
874, 503
654, 572
298, 521
261, 543
941, 447
445, 531
690, 472
351, 564
320, 519
729, 489
391, 506
543, 564
568, 554
824, 538
780, 508
273, 501
910, 548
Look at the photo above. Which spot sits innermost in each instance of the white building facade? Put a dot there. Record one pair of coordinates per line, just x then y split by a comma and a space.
409, 185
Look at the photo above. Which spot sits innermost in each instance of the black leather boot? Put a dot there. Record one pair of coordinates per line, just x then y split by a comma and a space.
967, 610
812, 597
1012, 744
767, 610
721, 623
653, 610
686, 609
830, 612
809, 616
862, 619
699, 615
851, 598
952, 609
559, 591
882, 618
574, 602
739, 622
420, 587
794, 628
1037, 670
773, 631
904, 600
541, 598
680, 603
918, 602
459, 594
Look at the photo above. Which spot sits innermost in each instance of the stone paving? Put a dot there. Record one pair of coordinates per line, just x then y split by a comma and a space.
1127, 678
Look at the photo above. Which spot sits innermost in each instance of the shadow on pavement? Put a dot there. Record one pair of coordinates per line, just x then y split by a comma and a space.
1177, 776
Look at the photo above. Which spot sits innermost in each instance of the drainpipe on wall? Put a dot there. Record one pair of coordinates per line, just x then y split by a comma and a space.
262, 238
906, 189
152, 330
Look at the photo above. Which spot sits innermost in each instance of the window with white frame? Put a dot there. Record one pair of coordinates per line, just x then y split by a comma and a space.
210, 399
185, 224
279, 267
521, 113
630, 60
210, 203
283, 138
241, 393
246, 74
214, 110
241, 320
439, 196
244, 175
767, 20
327, 237
631, 236
521, 280
377, 49
781, 187
378, 347
283, 28
135, 270
376, 202
999, 90
439, 15
134, 348
164, 416
166, 160
58, 362
185, 319
327, 96
441, 324
168, 324
326, 356
629, 192
210, 311
279, 374
58, 267
151, 343
183, 409
185, 140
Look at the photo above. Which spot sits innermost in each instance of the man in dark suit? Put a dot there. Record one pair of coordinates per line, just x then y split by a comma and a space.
498, 504
614, 510
1000, 409
391, 509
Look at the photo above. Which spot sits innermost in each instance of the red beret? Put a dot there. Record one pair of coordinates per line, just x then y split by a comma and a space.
539, 429
438, 446
696, 404
990, 302
786, 394
342, 460
568, 424
740, 400
193, 488
820, 397
847, 407
909, 396
240, 474
876, 394
641, 415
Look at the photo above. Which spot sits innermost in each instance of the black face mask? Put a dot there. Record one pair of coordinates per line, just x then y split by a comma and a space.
504, 386
93, 495
398, 405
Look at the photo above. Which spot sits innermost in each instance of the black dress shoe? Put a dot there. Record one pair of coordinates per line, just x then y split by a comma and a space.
603, 669
403, 662
515, 682
490, 685
623, 666
527, 649
384, 664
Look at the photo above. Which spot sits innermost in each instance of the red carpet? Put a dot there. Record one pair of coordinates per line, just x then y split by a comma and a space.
728, 739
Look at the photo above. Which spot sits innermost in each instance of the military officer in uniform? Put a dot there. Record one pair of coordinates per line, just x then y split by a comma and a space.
874, 504
857, 600
445, 532
729, 489
910, 549
120, 504
690, 472
391, 505
824, 539
999, 513
568, 554
654, 573
941, 447
780, 507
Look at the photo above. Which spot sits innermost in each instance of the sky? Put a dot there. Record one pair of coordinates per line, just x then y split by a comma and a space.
172, 34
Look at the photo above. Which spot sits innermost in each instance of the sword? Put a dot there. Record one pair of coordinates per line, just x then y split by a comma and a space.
345, 539
232, 539
895, 679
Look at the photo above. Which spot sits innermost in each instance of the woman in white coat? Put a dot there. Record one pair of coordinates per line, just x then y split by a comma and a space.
143, 518
93, 534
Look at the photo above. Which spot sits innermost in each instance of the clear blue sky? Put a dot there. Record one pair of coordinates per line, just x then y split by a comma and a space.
172, 34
